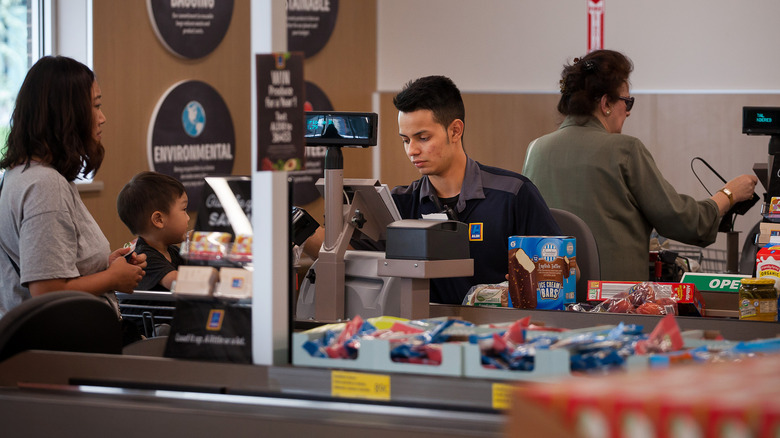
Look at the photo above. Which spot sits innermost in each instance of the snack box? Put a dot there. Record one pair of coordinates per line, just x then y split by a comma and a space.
207, 245
689, 299
542, 271
374, 356
768, 263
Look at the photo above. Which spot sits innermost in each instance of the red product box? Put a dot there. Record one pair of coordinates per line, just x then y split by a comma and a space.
734, 415
635, 410
769, 419
689, 299
588, 410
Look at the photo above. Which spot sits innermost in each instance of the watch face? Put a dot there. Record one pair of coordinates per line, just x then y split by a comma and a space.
728, 193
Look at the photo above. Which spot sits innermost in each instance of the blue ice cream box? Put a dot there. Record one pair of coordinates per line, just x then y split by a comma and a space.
542, 272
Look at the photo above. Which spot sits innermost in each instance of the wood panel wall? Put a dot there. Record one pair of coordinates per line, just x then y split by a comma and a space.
134, 70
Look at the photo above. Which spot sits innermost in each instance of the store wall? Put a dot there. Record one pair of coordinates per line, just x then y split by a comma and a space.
520, 45
134, 70
697, 63
505, 55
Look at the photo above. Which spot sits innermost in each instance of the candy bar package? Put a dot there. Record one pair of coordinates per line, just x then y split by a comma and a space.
542, 271
417, 342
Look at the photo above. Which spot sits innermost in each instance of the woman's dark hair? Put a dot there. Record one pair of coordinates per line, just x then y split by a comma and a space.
587, 79
435, 93
52, 119
146, 193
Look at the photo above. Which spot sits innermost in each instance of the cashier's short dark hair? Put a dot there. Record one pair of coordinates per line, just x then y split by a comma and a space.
435, 93
585, 80
146, 193
52, 119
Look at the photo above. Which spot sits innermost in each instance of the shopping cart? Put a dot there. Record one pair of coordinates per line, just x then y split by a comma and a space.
709, 260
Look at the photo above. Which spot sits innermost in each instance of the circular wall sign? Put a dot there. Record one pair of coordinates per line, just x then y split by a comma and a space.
310, 24
191, 136
190, 28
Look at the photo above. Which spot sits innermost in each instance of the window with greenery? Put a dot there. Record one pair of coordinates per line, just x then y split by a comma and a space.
16, 54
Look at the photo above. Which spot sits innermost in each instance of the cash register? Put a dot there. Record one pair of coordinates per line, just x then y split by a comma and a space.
343, 283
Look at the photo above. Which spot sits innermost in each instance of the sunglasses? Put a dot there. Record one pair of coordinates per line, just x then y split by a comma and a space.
629, 102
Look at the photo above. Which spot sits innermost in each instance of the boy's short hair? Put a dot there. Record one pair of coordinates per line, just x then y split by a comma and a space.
146, 193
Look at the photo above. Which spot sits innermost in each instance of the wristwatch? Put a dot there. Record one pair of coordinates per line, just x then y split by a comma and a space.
728, 193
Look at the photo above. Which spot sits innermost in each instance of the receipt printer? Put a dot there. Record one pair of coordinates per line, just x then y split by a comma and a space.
423, 239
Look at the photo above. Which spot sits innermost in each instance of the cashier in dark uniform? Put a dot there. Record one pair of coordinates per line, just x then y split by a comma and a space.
494, 203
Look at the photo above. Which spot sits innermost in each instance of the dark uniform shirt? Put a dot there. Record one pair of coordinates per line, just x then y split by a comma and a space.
495, 204
157, 266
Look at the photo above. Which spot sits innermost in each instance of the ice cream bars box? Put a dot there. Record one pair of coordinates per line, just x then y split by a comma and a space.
689, 299
542, 271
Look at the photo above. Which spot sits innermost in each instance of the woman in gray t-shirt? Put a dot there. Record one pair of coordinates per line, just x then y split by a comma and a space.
48, 238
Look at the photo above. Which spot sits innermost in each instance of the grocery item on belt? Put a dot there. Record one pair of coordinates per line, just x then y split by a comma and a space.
488, 295
542, 271
646, 298
758, 299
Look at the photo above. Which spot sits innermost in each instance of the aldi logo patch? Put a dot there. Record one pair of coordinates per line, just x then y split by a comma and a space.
475, 232
216, 316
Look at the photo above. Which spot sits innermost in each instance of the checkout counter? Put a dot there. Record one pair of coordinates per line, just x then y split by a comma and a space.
95, 393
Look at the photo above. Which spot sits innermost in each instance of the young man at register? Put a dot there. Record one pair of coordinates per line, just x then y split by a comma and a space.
431, 123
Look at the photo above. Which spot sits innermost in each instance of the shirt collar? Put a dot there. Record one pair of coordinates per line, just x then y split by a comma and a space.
470, 189
585, 121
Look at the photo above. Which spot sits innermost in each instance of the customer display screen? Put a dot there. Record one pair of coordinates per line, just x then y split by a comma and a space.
340, 129
759, 120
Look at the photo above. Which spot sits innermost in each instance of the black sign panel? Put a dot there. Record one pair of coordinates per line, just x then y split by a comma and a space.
190, 28
279, 111
212, 215
191, 136
310, 24
210, 329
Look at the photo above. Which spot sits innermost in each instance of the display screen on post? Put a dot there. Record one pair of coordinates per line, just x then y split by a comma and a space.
349, 129
760, 120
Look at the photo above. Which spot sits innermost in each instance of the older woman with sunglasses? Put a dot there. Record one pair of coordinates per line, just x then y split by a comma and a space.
610, 180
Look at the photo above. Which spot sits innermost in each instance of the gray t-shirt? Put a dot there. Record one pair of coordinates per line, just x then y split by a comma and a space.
46, 230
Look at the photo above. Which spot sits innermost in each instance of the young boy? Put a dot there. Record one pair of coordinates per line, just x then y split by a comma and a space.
154, 208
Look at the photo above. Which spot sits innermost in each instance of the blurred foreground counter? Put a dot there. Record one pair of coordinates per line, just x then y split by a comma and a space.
719, 400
